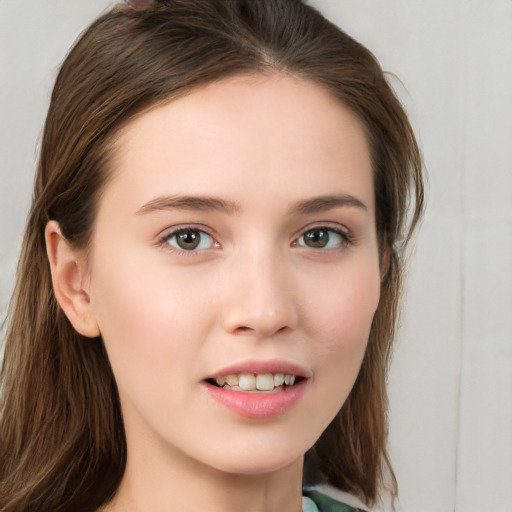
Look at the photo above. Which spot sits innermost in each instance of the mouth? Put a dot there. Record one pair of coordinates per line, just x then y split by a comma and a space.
259, 389
256, 382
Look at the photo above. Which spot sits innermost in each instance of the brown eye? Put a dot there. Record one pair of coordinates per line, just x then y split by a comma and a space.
317, 239
323, 238
190, 240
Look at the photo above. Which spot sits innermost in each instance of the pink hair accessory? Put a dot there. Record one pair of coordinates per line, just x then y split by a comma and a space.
139, 5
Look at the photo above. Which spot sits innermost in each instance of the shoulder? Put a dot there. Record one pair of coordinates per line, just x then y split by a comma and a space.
325, 503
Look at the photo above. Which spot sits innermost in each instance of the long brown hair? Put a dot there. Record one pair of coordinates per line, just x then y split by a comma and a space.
62, 444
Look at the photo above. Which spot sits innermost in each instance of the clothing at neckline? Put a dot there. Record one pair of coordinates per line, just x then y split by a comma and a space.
315, 501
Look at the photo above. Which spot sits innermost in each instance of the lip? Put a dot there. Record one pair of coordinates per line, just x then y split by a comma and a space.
259, 405
271, 366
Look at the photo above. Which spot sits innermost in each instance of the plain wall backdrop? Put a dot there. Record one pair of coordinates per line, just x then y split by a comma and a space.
451, 379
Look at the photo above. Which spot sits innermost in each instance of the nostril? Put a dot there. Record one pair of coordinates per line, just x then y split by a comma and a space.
243, 330
255, 316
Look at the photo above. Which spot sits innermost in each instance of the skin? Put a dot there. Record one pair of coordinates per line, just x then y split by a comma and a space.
253, 290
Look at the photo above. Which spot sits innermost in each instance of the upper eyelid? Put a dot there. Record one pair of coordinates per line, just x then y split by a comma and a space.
328, 225
162, 239
173, 230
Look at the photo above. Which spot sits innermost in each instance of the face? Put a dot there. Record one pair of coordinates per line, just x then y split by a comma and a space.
234, 271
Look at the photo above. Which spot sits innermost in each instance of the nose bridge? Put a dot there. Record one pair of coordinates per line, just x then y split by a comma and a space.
258, 293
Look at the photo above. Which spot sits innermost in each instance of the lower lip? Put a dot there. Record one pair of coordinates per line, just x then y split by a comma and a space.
258, 405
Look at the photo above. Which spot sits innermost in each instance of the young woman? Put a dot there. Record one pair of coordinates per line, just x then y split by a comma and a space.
208, 286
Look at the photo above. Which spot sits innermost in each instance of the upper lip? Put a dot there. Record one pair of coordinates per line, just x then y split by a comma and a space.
259, 367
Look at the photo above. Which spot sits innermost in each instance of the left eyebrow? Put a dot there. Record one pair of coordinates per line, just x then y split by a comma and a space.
325, 203
200, 203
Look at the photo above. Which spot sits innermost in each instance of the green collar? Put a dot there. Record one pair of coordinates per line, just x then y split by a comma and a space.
324, 503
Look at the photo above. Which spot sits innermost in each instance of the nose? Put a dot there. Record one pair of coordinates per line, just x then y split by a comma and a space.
258, 296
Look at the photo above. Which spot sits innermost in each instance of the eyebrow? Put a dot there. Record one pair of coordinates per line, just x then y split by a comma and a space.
325, 203
198, 203
205, 203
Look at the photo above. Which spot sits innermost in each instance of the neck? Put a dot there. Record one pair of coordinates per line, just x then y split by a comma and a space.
175, 482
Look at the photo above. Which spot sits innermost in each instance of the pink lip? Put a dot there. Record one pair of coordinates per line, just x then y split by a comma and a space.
273, 366
258, 405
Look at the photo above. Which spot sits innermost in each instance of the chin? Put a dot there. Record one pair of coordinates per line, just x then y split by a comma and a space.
258, 461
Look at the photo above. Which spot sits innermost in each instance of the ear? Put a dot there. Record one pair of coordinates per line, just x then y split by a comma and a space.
69, 278
385, 261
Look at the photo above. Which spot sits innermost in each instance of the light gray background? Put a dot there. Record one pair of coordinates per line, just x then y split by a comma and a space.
451, 380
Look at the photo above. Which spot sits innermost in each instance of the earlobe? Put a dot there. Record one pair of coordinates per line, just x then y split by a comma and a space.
69, 273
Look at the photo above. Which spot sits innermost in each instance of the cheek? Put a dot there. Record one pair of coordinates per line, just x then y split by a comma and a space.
345, 305
146, 317
343, 316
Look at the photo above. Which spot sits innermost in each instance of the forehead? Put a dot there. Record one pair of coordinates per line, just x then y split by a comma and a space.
272, 133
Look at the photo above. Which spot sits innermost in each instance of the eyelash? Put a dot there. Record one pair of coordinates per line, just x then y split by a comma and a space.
164, 241
345, 239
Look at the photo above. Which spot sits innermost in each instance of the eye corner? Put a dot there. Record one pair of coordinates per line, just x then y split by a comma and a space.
324, 237
188, 240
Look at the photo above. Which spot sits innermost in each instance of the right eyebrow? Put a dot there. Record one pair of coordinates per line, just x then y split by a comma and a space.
201, 203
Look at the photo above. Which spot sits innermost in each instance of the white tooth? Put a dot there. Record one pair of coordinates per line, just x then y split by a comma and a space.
265, 382
287, 379
232, 380
278, 379
247, 381
220, 381
292, 380
226, 386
